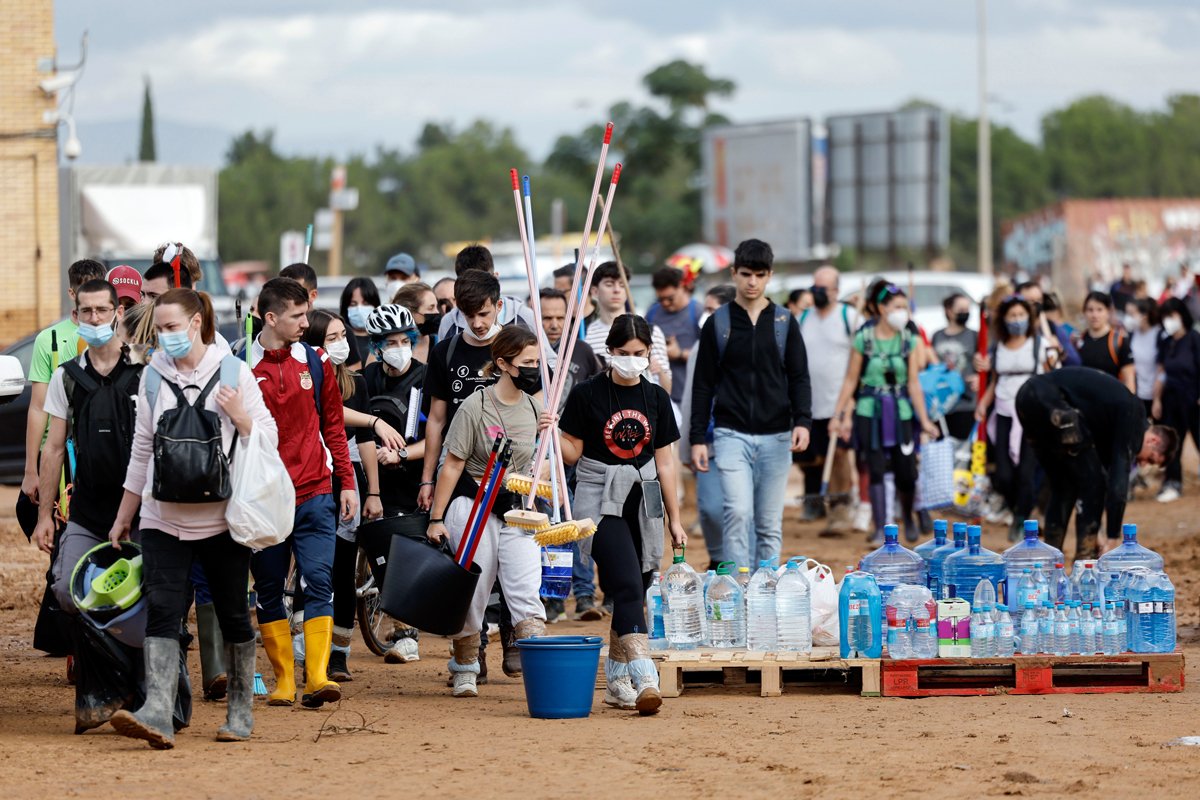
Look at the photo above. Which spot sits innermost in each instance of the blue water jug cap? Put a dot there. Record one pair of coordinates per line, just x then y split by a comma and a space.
960, 529
939, 526
1129, 531
1027, 571
766, 562
1037, 565
1031, 526
891, 533
1001, 607
974, 534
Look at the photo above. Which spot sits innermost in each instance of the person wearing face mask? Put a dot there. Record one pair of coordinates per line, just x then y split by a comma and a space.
399, 271
1141, 322
827, 328
1017, 356
477, 258
359, 299
312, 436
175, 536
422, 303
508, 407
955, 346
619, 429
880, 401
1177, 389
610, 298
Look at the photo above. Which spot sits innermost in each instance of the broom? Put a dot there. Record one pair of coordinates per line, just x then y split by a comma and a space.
496, 480
479, 494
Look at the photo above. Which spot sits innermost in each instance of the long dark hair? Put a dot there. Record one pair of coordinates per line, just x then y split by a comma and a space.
366, 287
625, 329
510, 343
1006, 305
318, 328
1173, 305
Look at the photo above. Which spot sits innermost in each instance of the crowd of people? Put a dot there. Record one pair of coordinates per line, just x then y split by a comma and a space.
392, 407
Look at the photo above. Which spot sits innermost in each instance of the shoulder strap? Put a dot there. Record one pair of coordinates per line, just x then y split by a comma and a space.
803, 316
316, 368
204, 393
845, 318
721, 325
128, 379
782, 320
153, 381
1115, 340
79, 377
868, 333
450, 349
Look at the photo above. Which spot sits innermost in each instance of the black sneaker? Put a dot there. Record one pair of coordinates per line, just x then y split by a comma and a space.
338, 671
586, 609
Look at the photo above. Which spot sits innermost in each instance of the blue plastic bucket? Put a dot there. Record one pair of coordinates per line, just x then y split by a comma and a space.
560, 675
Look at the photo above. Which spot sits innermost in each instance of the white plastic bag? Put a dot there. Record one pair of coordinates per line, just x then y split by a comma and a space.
824, 603
262, 504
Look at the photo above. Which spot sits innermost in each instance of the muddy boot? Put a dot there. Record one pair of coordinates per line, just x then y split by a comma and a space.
212, 652
153, 721
511, 663
239, 709
618, 685
636, 649
464, 666
813, 509
339, 655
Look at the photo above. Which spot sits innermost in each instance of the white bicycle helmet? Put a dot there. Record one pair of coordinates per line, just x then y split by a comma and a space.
389, 319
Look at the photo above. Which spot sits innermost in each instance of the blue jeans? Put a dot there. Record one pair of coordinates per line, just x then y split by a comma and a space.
583, 574
710, 502
754, 471
312, 541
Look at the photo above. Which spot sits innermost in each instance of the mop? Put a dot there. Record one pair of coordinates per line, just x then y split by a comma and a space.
479, 494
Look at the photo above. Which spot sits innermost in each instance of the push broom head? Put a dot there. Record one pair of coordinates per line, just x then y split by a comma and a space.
527, 519
521, 484
571, 530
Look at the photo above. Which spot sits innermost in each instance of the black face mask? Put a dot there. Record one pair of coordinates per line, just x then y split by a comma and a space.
820, 296
430, 326
528, 379
1037, 309
962, 317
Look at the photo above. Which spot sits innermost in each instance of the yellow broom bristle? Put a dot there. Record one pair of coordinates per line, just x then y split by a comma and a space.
565, 532
520, 484
531, 520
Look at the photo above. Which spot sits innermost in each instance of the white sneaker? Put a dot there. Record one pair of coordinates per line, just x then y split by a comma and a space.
402, 651
464, 685
1168, 495
862, 518
619, 693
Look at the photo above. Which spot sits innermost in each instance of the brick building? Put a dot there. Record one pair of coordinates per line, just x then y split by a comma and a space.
30, 272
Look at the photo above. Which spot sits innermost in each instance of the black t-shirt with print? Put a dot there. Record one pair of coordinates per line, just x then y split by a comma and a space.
620, 424
460, 379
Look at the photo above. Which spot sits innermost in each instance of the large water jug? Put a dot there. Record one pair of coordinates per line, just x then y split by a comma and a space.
725, 609
684, 591
1128, 555
760, 609
860, 616
926, 548
793, 610
939, 556
964, 569
894, 564
1023, 555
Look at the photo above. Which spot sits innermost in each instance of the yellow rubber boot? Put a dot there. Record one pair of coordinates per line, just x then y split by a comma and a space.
277, 641
318, 636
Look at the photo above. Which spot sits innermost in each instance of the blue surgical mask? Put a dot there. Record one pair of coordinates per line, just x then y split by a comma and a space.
1017, 327
96, 335
176, 344
358, 316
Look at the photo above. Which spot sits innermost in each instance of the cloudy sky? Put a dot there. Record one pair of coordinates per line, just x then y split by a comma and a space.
335, 78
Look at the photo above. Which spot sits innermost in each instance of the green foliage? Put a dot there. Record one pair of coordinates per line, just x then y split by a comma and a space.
146, 149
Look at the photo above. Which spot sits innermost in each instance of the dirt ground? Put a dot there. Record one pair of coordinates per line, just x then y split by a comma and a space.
821, 742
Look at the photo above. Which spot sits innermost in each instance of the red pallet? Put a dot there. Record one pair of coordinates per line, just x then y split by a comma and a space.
1042, 674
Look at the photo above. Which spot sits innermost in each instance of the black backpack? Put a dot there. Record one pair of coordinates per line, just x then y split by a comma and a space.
102, 423
393, 407
189, 463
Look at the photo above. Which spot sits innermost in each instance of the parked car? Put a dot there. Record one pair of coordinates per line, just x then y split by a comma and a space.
14, 406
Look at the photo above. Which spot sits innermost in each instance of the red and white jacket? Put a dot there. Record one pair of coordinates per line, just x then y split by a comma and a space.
287, 389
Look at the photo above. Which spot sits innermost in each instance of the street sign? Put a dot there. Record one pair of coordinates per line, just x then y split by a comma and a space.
343, 200
291, 248
322, 229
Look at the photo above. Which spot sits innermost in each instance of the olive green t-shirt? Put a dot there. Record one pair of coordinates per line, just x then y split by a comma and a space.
885, 354
483, 415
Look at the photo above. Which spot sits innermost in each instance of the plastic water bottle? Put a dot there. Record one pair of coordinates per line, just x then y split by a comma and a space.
1091, 589
1005, 633
1026, 554
1112, 631
1046, 629
983, 633
1074, 628
1128, 555
859, 614
760, 609
938, 558
654, 611
1121, 612
1062, 631
1041, 581
685, 598
899, 643
709, 576
725, 609
1139, 611
743, 578
1164, 609
1060, 585
1087, 630
926, 548
793, 615
893, 564
1024, 593
984, 595
924, 630
1029, 631
964, 569
557, 564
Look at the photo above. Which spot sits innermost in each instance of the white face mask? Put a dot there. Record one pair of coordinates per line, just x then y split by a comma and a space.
1172, 325
487, 337
898, 318
397, 357
392, 288
629, 367
338, 351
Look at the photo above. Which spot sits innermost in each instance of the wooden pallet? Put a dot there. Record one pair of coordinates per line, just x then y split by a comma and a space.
1041, 674
730, 668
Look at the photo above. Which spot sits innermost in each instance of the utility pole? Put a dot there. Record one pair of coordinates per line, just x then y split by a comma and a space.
985, 150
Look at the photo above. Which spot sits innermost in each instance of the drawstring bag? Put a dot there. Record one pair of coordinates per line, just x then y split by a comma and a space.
262, 500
